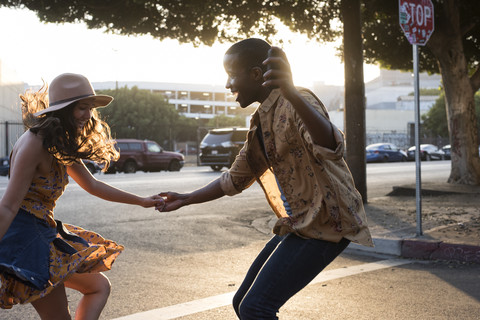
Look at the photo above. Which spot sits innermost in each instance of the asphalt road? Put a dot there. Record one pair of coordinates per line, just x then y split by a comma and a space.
173, 260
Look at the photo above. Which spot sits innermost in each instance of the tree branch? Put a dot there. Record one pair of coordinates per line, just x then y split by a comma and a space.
465, 28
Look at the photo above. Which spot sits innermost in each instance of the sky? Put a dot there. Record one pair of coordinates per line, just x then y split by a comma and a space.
33, 51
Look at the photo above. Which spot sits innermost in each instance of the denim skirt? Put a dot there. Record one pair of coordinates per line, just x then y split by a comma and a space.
25, 248
35, 257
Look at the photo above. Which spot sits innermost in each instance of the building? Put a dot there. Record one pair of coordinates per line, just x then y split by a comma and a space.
390, 112
10, 88
11, 126
197, 101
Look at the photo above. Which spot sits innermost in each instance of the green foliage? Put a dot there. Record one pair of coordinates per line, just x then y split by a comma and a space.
193, 21
385, 43
222, 121
435, 120
141, 114
210, 21
428, 92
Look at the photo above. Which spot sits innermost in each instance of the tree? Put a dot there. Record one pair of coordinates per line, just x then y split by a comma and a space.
435, 120
355, 135
453, 49
222, 121
141, 114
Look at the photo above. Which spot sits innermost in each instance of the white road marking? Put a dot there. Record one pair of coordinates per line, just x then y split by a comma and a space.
221, 300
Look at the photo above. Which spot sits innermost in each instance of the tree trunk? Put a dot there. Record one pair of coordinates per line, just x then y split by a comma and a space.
459, 98
462, 122
354, 94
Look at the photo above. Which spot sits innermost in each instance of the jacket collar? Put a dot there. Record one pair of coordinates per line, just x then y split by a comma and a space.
270, 101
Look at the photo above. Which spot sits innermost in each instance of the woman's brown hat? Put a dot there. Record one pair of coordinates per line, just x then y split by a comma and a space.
68, 88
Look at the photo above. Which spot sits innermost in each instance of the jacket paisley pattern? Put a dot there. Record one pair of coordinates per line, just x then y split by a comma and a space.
315, 180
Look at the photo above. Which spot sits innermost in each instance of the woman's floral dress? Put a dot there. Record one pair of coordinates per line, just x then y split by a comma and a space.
35, 257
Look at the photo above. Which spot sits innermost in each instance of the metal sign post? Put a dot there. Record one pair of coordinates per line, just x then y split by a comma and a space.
416, 21
418, 171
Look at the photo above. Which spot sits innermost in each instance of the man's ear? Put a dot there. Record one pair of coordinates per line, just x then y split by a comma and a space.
257, 73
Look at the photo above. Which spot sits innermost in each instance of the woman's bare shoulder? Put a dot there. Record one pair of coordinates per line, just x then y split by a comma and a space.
29, 140
30, 144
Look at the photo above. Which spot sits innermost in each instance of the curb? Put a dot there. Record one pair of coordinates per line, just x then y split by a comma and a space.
387, 246
439, 250
408, 248
422, 249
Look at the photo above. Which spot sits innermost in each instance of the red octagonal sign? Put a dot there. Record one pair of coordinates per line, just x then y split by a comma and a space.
416, 20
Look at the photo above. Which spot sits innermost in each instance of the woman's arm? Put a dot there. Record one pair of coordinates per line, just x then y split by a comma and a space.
27, 158
174, 201
100, 189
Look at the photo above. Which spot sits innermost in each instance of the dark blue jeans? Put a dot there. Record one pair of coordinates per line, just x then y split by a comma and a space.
284, 267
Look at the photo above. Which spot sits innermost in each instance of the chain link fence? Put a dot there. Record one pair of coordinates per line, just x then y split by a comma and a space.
10, 131
9, 134
405, 139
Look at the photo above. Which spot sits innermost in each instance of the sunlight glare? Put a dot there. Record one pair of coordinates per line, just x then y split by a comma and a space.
35, 50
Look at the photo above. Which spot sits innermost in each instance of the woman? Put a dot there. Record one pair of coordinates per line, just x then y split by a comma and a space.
40, 256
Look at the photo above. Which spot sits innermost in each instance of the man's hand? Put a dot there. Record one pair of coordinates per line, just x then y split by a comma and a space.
153, 201
172, 201
279, 74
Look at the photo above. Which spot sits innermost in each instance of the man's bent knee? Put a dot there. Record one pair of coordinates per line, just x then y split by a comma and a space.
253, 309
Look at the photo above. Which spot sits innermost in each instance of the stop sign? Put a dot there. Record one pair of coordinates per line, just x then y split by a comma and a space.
416, 20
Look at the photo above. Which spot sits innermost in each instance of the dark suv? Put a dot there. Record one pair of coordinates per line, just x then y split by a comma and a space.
220, 146
145, 155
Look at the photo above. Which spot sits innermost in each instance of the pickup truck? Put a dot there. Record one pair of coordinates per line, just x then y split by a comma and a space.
144, 155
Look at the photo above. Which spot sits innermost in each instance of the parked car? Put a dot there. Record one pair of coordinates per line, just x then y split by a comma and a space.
145, 155
4, 166
219, 147
385, 152
447, 152
190, 150
427, 152
92, 166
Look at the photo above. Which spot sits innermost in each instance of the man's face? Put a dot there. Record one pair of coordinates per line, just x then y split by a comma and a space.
242, 81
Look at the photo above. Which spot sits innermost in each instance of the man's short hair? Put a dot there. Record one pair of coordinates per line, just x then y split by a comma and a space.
251, 52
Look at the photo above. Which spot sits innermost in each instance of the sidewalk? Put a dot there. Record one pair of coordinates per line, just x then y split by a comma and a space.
450, 223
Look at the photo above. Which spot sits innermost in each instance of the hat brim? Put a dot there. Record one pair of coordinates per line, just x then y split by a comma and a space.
99, 101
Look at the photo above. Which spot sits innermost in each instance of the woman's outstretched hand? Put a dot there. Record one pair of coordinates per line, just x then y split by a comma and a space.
153, 201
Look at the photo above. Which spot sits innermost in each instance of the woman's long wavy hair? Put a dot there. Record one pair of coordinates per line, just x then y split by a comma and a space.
62, 138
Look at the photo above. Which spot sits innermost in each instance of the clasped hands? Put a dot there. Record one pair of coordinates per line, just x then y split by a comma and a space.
170, 201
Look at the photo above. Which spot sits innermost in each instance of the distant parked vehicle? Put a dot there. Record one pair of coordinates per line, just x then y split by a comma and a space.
145, 155
219, 147
190, 150
385, 152
92, 166
427, 152
4, 166
447, 152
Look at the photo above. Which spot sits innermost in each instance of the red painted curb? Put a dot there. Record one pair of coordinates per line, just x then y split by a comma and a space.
438, 250
458, 252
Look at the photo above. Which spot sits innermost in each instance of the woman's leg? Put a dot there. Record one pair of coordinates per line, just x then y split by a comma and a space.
294, 263
53, 306
95, 288
253, 271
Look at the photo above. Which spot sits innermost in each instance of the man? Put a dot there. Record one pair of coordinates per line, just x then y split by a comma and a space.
296, 154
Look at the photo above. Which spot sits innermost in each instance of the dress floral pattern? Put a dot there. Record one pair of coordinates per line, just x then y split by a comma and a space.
96, 254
